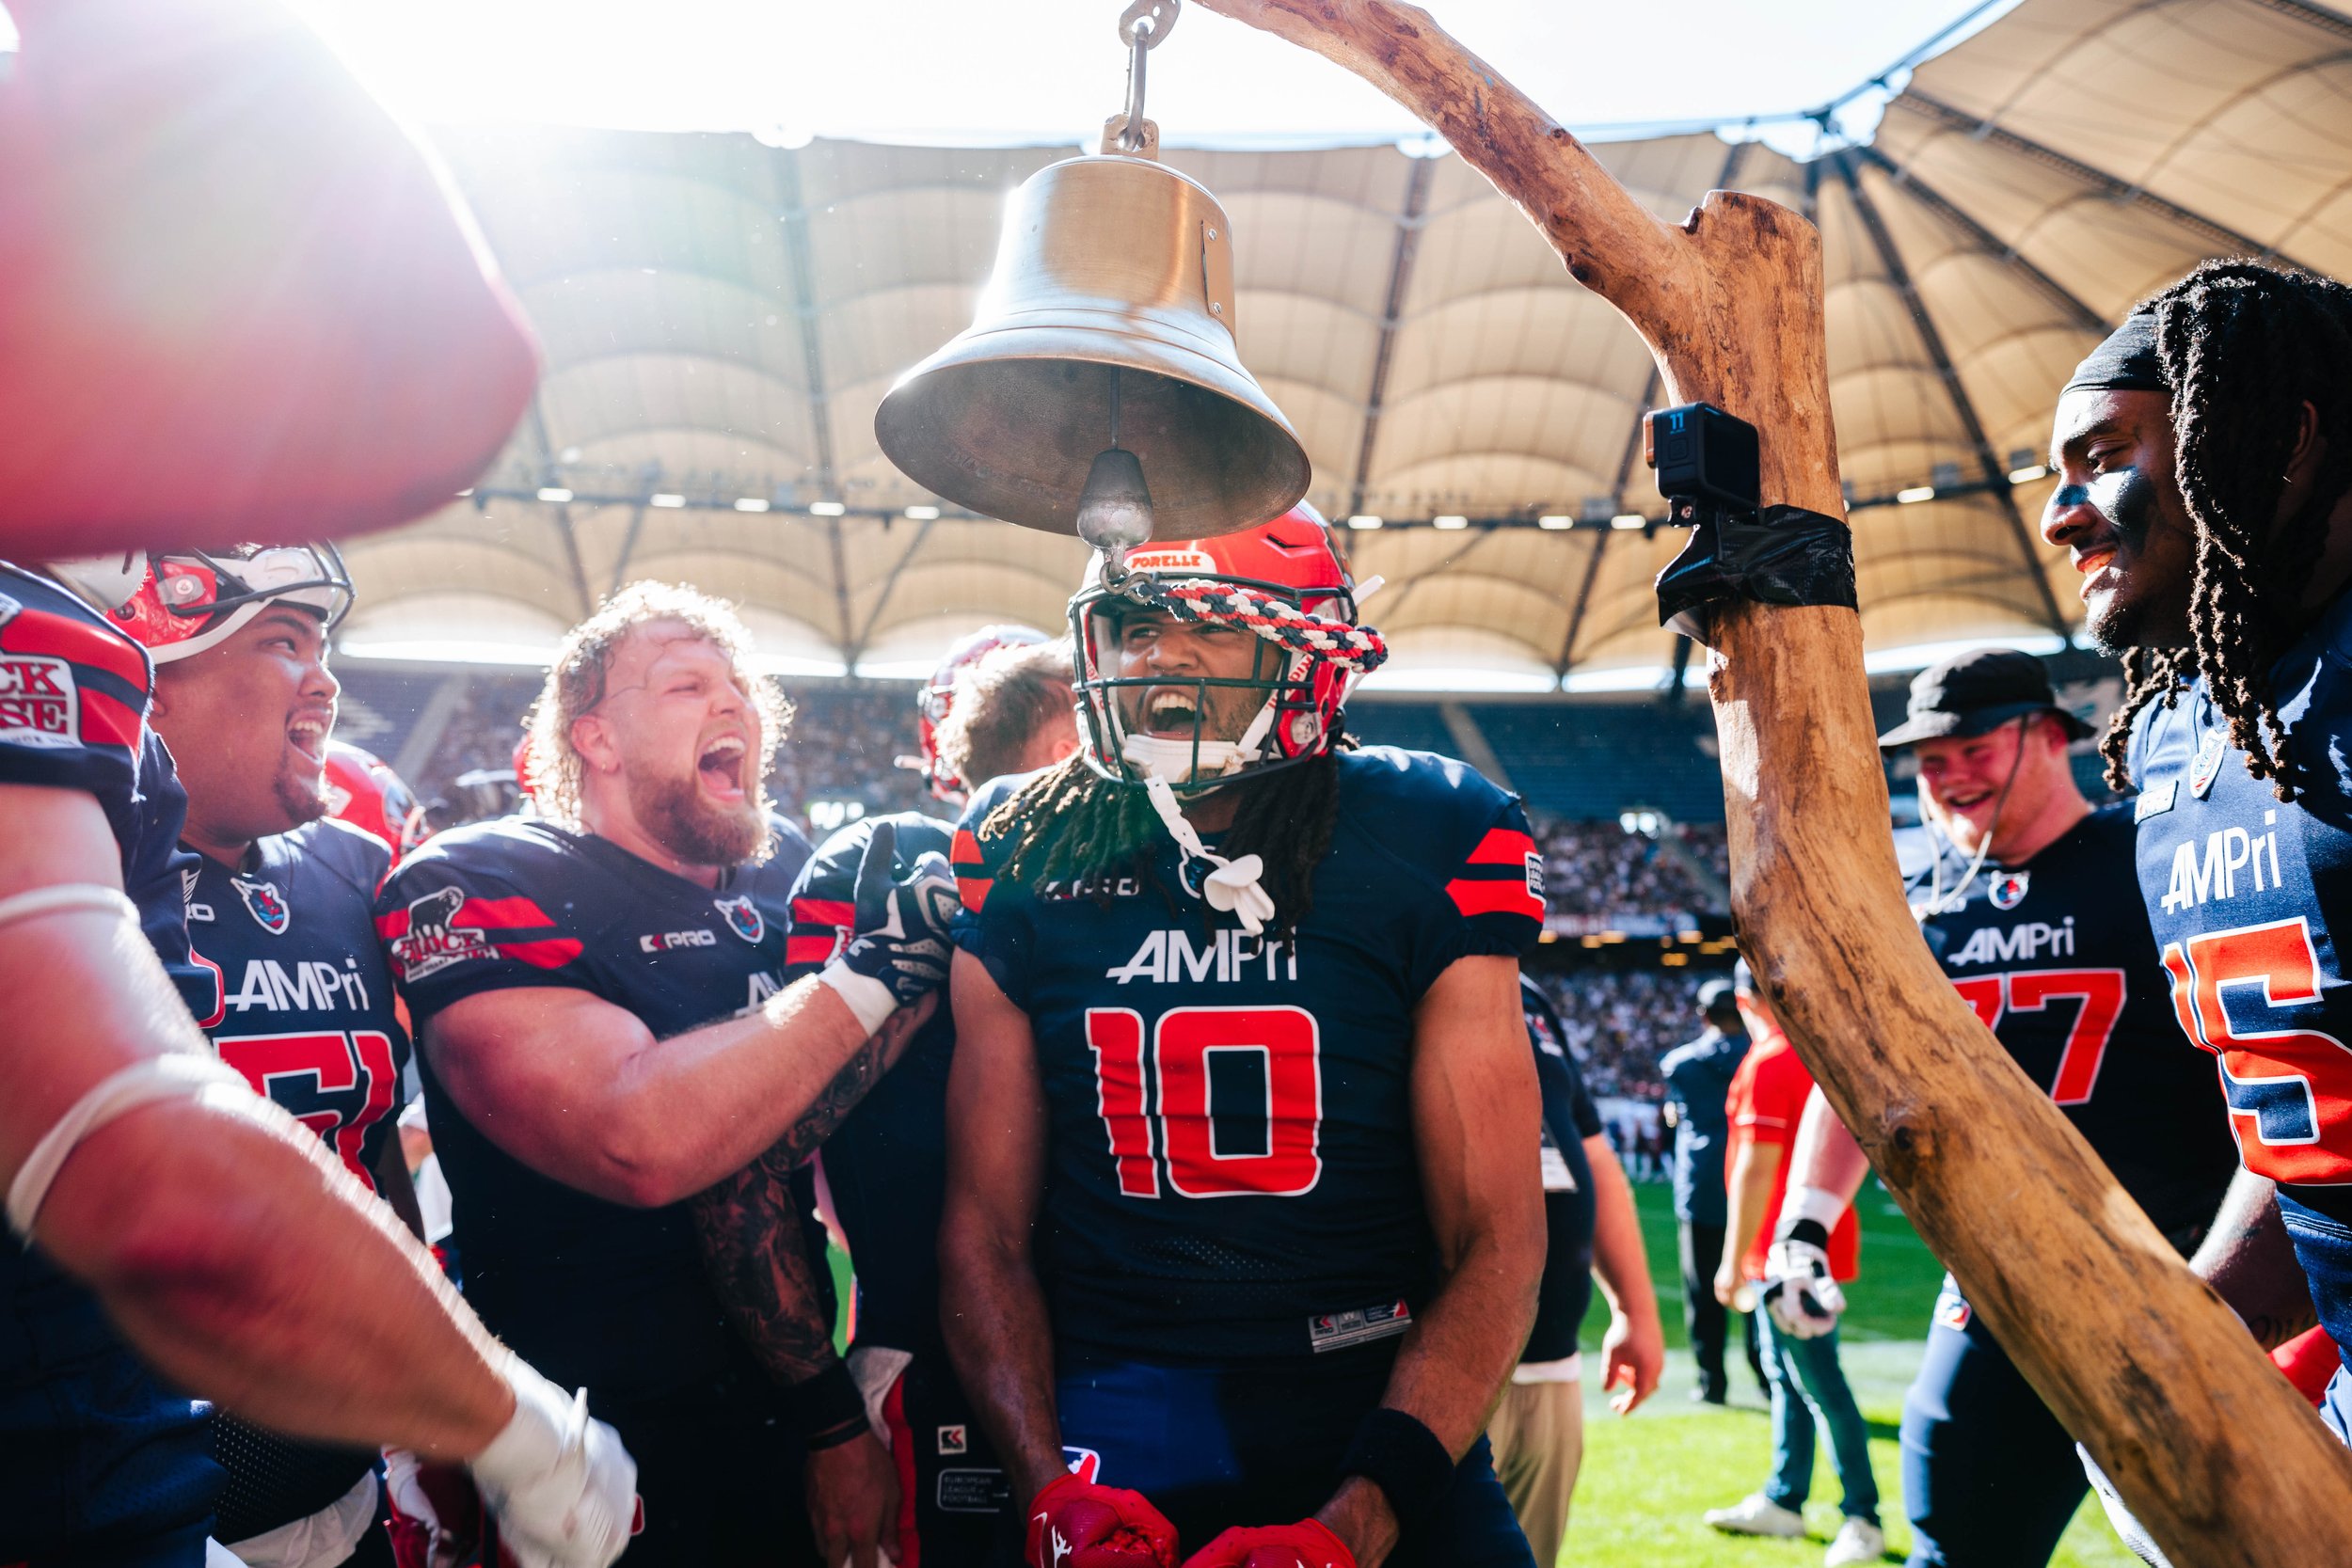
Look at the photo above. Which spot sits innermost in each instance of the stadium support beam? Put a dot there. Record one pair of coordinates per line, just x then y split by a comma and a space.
1990, 468
890, 584
629, 546
1625, 461
2217, 234
2078, 313
802, 264
1391, 312
2224, 1462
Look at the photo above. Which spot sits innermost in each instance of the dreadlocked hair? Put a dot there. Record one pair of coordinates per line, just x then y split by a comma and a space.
2244, 346
2150, 675
1070, 822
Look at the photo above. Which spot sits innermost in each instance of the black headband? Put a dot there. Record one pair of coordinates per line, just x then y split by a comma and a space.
2126, 361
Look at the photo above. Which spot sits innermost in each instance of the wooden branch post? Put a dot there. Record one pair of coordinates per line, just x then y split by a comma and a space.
2218, 1455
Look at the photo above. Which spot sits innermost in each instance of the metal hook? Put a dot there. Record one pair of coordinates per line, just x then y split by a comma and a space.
1141, 28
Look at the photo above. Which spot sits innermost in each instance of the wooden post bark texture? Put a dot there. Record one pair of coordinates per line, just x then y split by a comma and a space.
2220, 1459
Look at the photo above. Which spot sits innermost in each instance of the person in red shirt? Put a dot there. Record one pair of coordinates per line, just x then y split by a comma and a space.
1764, 1105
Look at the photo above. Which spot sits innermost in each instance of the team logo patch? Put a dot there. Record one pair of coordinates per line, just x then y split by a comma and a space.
2009, 889
1085, 1464
433, 941
1535, 874
2207, 766
954, 1440
1952, 1310
743, 918
265, 904
38, 705
1329, 1331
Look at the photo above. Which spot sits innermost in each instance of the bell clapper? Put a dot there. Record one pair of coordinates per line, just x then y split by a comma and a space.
1115, 508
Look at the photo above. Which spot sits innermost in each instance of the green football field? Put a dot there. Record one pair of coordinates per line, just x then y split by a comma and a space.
1648, 1477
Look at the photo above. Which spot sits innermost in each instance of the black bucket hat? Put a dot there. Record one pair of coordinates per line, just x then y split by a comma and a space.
1973, 693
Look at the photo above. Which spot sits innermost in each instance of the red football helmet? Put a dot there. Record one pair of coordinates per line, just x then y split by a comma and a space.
362, 789
1283, 581
939, 695
184, 602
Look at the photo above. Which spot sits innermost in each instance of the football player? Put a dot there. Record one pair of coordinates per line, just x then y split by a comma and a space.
279, 905
2205, 459
2028, 901
362, 789
1538, 1428
178, 1214
999, 703
1243, 1207
609, 1049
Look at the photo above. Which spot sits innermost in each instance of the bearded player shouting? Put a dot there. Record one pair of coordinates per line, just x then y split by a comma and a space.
621, 1081
2205, 454
1244, 1206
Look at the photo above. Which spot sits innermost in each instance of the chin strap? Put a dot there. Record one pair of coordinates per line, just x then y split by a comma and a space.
1233, 885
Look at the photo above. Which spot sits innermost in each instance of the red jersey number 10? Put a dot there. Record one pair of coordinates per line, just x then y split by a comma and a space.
1282, 1043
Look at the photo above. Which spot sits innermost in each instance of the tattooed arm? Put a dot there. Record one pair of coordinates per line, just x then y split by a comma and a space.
752, 1243
2250, 1264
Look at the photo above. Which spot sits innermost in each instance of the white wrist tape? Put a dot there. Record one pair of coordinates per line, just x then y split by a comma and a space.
178, 1076
868, 997
1810, 1203
547, 1420
67, 898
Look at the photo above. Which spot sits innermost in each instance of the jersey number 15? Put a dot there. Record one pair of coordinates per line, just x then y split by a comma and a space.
1287, 1051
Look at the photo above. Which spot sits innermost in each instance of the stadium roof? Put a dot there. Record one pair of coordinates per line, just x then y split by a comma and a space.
720, 317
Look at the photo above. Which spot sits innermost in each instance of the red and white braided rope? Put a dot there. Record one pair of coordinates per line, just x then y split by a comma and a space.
1277, 620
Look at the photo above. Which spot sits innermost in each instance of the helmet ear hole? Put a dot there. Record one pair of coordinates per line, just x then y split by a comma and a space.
1305, 729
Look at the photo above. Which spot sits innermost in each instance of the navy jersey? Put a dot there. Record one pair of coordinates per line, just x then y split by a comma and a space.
2246, 894
307, 1015
2055, 956
887, 1164
1569, 1119
589, 1291
1230, 1172
307, 1003
97, 1448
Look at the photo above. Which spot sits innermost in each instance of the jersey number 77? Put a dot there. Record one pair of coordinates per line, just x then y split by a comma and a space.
2237, 994
1284, 1046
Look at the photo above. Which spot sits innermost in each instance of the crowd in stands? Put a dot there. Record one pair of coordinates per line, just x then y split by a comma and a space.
1598, 870
1621, 1021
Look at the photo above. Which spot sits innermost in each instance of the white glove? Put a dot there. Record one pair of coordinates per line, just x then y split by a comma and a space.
2120, 1515
562, 1487
1804, 1300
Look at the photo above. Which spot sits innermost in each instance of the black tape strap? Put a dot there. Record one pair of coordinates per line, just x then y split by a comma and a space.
828, 1410
1789, 556
1405, 1460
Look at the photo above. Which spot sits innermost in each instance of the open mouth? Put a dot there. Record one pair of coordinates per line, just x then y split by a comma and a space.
307, 734
1171, 713
720, 767
1967, 801
2093, 563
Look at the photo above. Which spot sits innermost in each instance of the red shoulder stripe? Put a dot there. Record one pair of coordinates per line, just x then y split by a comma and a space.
1503, 847
503, 915
552, 952
1495, 897
43, 631
109, 722
974, 892
966, 849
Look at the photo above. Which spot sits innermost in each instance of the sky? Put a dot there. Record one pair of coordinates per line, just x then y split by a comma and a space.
1048, 71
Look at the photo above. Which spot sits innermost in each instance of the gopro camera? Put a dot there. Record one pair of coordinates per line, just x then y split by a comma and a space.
1704, 459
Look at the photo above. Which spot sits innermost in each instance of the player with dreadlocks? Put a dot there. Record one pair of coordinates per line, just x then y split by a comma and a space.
2205, 454
1244, 1204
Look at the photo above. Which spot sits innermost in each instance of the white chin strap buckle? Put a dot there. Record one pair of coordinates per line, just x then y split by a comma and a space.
1233, 886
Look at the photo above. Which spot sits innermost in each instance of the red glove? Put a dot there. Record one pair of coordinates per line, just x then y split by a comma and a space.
1077, 1523
1304, 1544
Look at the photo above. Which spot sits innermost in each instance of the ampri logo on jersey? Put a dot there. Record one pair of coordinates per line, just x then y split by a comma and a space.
743, 917
263, 902
2009, 889
433, 940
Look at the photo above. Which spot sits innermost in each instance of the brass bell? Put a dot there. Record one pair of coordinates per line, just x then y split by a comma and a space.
1106, 325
